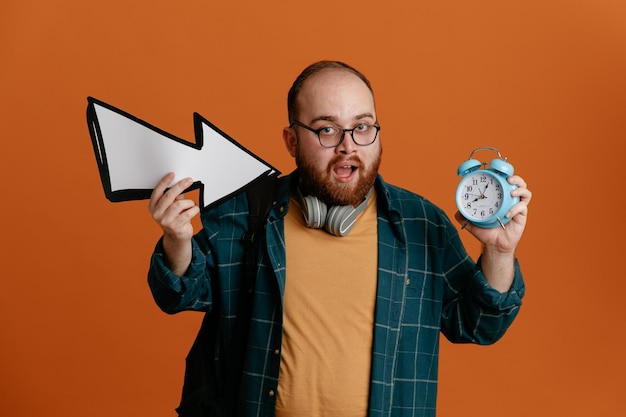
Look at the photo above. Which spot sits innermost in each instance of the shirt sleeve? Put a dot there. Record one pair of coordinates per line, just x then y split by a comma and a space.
174, 293
473, 311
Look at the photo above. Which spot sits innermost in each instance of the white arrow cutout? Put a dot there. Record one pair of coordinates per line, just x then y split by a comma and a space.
133, 156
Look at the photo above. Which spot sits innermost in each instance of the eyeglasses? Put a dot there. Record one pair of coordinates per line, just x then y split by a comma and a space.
332, 136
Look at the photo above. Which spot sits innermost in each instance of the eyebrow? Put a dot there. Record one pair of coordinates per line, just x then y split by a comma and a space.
334, 119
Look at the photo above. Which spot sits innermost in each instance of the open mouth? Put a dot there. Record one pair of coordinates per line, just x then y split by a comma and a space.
345, 170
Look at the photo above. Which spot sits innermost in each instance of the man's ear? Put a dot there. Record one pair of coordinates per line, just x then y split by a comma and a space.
290, 139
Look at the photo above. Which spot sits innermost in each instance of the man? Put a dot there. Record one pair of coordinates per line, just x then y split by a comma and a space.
355, 280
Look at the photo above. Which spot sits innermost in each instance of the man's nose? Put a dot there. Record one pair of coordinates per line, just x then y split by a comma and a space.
347, 144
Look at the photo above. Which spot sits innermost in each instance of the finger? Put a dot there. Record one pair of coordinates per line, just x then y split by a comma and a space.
177, 216
519, 208
524, 194
522, 190
517, 180
180, 186
188, 213
168, 197
158, 191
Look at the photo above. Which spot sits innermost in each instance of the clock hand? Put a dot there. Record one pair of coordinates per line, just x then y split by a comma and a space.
484, 191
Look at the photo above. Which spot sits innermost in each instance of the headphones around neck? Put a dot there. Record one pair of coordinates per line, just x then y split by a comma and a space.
336, 220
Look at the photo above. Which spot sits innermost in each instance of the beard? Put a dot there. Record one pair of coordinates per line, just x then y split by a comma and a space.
322, 185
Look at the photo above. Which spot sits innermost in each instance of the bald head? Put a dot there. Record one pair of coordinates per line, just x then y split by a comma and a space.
311, 70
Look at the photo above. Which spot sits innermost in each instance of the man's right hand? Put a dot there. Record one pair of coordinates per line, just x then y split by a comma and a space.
173, 213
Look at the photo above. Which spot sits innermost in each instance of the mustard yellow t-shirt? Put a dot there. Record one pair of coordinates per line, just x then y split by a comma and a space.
330, 294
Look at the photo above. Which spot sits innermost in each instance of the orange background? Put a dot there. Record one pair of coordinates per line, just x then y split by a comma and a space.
542, 80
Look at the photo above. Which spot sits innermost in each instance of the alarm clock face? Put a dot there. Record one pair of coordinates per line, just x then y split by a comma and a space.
480, 196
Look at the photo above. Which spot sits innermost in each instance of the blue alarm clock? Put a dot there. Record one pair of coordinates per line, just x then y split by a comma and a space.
484, 195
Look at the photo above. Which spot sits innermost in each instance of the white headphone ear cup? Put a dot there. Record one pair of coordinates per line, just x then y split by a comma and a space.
337, 220
314, 212
340, 220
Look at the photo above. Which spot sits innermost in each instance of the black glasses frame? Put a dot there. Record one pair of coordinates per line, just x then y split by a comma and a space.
343, 133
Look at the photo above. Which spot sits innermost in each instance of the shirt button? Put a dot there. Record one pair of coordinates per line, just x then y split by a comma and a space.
271, 393
408, 281
276, 351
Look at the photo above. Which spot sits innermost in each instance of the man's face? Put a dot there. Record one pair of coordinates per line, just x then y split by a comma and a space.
342, 175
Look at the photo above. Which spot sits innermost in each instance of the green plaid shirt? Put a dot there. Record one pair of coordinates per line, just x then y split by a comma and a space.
427, 284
